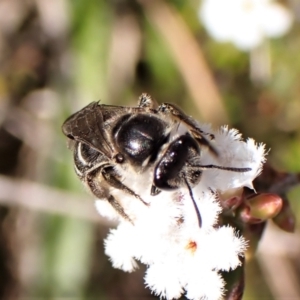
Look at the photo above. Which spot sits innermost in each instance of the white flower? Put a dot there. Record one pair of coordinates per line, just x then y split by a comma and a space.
181, 256
245, 23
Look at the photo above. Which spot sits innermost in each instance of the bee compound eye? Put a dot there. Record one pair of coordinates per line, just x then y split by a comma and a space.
119, 158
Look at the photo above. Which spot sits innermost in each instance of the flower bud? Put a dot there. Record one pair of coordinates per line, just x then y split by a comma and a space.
231, 198
259, 208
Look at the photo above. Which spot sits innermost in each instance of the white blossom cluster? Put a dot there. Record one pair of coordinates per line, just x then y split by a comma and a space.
182, 257
245, 23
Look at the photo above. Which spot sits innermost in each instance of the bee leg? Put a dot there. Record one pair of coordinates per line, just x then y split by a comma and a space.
201, 140
99, 192
110, 176
178, 115
117, 206
146, 101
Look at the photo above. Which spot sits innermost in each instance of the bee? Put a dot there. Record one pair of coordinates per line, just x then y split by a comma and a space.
106, 136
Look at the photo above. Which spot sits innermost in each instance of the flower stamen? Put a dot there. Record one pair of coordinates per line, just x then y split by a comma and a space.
192, 246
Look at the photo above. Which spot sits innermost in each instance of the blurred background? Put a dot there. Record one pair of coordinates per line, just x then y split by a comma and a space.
57, 56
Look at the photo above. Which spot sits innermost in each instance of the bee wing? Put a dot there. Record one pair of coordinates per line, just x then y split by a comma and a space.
86, 126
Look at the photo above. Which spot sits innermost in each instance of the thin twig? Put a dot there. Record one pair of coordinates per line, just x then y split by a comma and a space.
42, 198
189, 59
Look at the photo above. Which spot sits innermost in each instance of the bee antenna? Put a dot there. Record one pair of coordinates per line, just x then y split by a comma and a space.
194, 202
241, 170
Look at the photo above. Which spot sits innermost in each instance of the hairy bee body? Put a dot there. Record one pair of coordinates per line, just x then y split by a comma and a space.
140, 138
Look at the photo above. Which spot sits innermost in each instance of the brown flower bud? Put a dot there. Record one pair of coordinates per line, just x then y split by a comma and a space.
259, 208
286, 219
